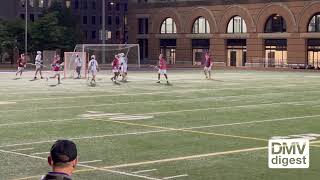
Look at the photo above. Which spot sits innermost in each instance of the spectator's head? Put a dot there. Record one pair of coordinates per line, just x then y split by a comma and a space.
63, 156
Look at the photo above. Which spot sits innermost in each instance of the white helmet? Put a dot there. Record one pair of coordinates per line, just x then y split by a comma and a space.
38, 52
121, 54
93, 57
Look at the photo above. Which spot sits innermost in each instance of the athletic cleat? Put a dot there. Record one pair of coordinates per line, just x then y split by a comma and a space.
158, 82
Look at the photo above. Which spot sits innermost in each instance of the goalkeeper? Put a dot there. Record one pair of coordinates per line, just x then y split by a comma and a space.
78, 66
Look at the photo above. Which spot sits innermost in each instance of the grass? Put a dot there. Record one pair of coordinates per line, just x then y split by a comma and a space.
195, 128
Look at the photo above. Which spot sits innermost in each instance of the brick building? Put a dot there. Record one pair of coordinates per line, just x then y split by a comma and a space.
235, 33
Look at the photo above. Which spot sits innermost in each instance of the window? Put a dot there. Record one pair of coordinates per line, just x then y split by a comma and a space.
84, 20
85, 4
237, 25
275, 24
117, 20
85, 35
110, 6
201, 25
22, 16
94, 5
168, 26
32, 17
143, 25
117, 6
93, 35
93, 20
76, 4
314, 24
109, 20
118, 36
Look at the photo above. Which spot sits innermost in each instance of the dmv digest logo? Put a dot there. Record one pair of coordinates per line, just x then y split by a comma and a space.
288, 153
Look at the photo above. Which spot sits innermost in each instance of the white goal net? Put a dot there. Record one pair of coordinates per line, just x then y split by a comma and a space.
105, 53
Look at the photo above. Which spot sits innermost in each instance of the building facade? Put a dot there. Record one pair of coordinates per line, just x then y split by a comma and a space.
235, 33
89, 13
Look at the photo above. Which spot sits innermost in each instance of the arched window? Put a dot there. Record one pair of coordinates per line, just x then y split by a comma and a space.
237, 25
275, 24
168, 26
314, 24
201, 26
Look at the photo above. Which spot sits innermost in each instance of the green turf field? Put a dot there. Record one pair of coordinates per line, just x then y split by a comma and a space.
192, 129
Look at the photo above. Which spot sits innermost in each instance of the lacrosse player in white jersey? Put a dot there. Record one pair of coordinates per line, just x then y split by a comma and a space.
93, 69
78, 65
124, 66
39, 64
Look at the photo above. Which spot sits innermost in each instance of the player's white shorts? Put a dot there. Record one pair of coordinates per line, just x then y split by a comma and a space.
38, 66
115, 70
124, 68
56, 73
20, 68
162, 71
207, 68
93, 72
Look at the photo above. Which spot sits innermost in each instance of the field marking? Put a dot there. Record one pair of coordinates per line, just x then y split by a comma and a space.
182, 130
143, 171
151, 101
160, 160
148, 93
7, 102
157, 113
185, 158
81, 138
253, 122
25, 149
159, 131
315, 146
174, 177
88, 162
40, 153
82, 165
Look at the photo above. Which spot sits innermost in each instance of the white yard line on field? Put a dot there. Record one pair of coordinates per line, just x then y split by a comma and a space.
143, 171
158, 113
146, 102
40, 153
86, 166
185, 158
25, 149
174, 177
88, 162
7, 102
146, 93
159, 131
85, 137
